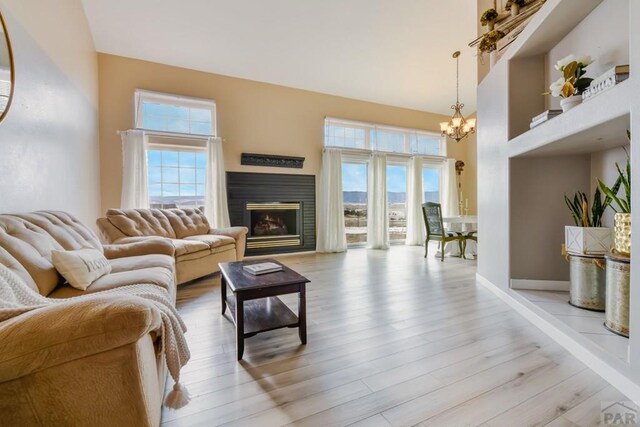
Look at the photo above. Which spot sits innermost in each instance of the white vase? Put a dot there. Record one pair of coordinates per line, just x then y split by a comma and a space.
515, 9
569, 103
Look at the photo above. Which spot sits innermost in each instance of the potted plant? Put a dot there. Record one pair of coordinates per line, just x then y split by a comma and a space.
488, 18
622, 220
489, 41
514, 6
572, 83
588, 236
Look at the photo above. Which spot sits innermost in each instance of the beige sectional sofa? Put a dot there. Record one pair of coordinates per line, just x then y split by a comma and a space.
81, 363
198, 247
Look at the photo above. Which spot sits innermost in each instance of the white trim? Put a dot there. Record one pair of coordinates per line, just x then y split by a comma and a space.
540, 285
609, 367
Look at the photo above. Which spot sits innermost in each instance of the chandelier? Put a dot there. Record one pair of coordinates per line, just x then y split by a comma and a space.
458, 127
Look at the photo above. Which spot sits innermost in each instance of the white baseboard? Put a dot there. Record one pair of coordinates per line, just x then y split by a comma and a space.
612, 369
540, 285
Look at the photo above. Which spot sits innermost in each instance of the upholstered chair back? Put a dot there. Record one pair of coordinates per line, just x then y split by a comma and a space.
26, 242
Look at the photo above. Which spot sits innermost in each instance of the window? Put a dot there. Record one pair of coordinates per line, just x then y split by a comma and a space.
174, 114
176, 178
354, 195
397, 201
365, 136
431, 183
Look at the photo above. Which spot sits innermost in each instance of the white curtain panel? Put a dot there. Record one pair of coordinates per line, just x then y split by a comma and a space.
331, 232
377, 208
135, 193
450, 198
215, 205
415, 222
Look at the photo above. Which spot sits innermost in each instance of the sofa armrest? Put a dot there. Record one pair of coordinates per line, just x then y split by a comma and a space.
239, 234
63, 332
146, 246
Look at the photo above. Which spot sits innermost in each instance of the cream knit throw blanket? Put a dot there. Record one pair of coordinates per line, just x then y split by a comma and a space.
16, 298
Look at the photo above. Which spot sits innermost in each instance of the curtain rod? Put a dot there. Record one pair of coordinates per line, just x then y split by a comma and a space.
161, 134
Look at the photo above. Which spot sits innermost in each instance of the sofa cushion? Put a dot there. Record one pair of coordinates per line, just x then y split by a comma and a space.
212, 240
184, 247
12, 264
65, 229
158, 276
141, 222
81, 267
187, 222
30, 238
139, 262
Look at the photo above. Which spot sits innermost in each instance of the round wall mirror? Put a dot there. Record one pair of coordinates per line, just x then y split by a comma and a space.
7, 74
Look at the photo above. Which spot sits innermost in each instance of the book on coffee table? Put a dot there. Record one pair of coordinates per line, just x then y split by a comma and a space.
262, 268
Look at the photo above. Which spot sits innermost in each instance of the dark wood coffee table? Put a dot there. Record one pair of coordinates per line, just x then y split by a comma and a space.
257, 307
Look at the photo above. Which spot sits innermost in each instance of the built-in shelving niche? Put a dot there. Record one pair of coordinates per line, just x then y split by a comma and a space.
561, 156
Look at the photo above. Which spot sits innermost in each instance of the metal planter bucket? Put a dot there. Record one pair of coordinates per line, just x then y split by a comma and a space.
617, 310
588, 282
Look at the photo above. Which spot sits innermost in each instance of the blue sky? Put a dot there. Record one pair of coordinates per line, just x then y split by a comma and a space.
354, 178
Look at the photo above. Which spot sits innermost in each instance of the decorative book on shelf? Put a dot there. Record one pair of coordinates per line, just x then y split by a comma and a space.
606, 81
543, 117
262, 268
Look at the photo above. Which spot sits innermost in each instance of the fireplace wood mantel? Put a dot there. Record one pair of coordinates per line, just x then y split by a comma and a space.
271, 160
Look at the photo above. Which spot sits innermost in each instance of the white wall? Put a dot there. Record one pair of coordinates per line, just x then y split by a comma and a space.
49, 139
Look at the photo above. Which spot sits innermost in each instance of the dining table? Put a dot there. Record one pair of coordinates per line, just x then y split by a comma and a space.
462, 224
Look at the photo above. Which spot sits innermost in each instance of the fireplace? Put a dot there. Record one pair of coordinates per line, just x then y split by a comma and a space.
273, 224
278, 209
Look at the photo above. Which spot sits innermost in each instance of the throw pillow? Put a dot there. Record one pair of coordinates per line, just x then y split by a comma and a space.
81, 267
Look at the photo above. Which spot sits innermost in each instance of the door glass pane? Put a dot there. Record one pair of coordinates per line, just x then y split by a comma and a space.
354, 193
431, 184
397, 200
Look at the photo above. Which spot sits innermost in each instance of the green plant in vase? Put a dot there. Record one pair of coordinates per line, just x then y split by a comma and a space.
573, 81
622, 220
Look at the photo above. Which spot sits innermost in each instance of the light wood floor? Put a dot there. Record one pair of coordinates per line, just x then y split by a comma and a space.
394, 339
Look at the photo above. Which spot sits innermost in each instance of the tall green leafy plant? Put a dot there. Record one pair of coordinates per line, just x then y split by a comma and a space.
580, 212
624, 180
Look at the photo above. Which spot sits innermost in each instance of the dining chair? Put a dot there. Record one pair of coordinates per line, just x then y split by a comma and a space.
432, 213
469, 235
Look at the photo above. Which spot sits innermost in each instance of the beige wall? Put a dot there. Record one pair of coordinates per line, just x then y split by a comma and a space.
49, 138
252, 117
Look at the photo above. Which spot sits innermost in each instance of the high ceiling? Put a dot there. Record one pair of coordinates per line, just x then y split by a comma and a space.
395, 52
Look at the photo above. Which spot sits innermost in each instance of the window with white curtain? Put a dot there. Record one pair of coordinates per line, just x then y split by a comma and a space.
351, 134
431, 182
355, 197
174, 114
397, 199
176, 177
357, 141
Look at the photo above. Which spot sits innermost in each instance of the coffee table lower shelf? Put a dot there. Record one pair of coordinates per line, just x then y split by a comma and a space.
264, 314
